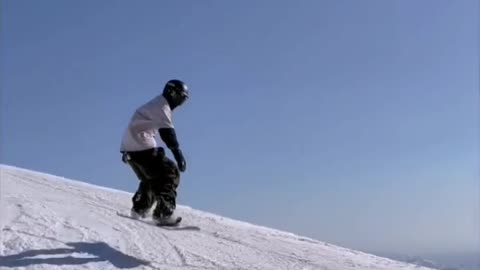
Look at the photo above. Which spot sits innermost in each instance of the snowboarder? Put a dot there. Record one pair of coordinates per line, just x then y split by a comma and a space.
159, 176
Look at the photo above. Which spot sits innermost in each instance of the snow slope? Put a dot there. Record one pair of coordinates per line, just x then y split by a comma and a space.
49, 222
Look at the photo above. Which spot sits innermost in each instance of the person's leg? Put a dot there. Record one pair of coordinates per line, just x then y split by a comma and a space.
143, 198
164, 188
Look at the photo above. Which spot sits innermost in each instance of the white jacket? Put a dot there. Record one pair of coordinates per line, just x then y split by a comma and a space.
144, 124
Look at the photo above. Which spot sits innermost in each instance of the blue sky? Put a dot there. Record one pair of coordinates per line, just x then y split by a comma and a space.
354, 122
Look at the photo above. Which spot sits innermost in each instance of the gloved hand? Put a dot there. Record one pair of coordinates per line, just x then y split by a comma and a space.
181, 163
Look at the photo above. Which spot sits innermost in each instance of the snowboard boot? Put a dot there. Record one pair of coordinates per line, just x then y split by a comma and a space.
164, 216
170, 220
138, 214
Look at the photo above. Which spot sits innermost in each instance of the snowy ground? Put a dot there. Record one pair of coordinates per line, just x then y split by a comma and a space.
48, 222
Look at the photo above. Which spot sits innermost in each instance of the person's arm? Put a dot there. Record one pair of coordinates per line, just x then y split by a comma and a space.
169, 136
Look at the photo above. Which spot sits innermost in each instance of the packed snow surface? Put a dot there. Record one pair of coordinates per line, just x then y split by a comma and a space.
49, 222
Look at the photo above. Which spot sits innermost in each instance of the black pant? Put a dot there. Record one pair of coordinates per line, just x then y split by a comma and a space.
159, 178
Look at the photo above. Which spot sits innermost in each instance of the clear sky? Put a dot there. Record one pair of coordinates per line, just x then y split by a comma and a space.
353, 122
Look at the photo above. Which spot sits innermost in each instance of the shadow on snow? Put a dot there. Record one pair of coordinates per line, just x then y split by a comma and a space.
99, 250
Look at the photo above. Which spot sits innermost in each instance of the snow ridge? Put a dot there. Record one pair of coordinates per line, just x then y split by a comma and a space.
49, 222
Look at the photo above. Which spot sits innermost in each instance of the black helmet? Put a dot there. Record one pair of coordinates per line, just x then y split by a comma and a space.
176, 93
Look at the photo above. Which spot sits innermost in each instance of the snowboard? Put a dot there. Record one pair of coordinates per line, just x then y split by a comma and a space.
173, 226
